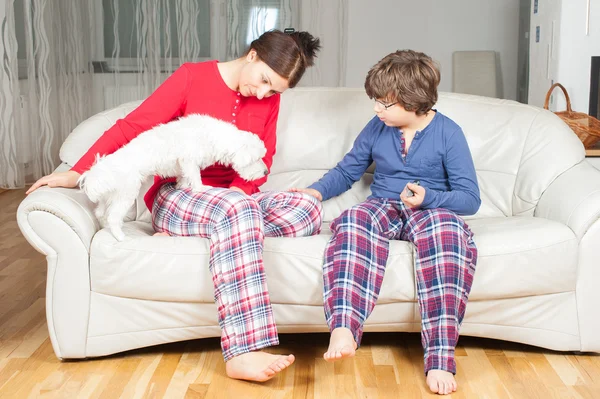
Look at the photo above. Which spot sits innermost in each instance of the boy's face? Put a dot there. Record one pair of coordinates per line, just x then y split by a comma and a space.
392, 113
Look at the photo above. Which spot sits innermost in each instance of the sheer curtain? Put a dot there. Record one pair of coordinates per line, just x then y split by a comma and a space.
64, 61
45, 83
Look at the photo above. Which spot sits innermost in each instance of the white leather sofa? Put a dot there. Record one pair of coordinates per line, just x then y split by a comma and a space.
538, 234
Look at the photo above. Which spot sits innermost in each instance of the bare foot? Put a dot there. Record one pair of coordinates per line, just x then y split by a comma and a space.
441, 382
257, 366
161, 234
341, 345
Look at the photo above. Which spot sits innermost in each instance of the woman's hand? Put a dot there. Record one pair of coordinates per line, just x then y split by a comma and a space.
415, 201
309, 191
62, 179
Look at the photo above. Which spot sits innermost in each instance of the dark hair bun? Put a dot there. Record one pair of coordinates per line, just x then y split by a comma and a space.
308, 44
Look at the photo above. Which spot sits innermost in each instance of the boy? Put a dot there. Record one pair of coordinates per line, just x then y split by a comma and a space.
409, 142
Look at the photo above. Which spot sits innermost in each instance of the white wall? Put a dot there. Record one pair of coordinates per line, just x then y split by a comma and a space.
576, 50
437, 28
571, 57
543, 70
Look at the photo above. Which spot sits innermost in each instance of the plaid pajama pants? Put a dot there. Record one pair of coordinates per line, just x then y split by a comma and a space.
355, 260
236, 225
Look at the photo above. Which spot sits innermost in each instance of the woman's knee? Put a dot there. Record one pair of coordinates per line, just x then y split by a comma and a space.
237, 203
314, 210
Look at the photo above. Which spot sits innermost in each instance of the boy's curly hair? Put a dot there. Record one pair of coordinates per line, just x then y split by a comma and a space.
406, 76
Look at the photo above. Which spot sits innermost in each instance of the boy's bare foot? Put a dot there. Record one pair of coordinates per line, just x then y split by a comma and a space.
161, 234
441, 382
257, 366
341, 345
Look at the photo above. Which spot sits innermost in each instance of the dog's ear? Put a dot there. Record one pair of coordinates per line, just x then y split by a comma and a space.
249, 152
243, 156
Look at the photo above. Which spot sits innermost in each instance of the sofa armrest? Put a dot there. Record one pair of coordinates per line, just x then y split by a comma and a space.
573, 199
60, 223
70, 206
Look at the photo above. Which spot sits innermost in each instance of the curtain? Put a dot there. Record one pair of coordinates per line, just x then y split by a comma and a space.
44, 84
64, 61
328, 20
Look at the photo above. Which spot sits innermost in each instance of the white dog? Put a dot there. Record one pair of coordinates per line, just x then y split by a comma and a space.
176, 149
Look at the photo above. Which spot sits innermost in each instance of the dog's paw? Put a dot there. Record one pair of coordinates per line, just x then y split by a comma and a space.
183, 184
118, 234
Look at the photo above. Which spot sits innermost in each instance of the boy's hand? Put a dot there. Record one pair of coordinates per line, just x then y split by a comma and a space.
309, 191
416, 200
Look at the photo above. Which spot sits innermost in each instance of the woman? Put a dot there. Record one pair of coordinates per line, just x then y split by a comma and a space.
234, 215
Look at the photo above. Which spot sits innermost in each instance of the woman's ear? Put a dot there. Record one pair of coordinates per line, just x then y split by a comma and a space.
251, 56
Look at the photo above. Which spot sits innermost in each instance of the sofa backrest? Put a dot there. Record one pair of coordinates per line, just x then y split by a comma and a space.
518, 149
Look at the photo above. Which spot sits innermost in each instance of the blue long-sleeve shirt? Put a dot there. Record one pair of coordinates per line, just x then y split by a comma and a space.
439, 157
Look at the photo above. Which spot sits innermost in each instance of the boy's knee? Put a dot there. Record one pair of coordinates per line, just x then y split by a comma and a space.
434, 217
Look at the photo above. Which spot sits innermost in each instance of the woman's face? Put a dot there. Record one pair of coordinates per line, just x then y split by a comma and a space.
258, 80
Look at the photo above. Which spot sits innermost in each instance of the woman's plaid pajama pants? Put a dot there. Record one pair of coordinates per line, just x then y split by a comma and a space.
236, 225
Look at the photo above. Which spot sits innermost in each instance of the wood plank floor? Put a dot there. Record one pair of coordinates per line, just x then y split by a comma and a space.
387, 365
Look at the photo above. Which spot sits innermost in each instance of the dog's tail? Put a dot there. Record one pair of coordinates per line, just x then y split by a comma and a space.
97, 181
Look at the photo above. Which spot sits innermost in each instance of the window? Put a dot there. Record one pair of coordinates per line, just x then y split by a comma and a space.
19, 9
128, 29
248, 19
208, 28
180, 30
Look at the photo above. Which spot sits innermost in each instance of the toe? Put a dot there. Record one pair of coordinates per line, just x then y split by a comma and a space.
275, 367
286, 361
282, 364
269, 372
433, 386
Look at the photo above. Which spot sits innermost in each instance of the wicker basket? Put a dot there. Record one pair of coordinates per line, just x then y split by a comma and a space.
586, 127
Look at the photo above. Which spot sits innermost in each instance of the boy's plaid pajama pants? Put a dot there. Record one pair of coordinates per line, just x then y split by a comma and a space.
236, 225
355, 260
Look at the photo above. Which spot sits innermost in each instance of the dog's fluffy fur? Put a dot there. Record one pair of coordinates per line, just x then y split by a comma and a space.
176, 149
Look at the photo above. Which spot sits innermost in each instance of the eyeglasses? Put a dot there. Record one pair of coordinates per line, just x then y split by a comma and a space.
384, 106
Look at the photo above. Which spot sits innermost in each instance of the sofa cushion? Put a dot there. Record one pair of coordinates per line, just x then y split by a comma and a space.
523, 256
175, 269
518, 256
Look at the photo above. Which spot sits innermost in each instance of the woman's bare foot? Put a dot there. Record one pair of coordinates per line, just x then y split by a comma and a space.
161, 234
441, 382
341, 345
257, 366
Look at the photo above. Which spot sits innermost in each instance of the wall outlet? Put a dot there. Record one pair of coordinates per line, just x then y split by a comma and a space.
535, 6
537, 34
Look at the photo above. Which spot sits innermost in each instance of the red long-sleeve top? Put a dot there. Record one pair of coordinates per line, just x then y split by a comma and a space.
194, 88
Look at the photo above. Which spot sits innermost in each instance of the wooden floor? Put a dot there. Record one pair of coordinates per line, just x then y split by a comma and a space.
387, 365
